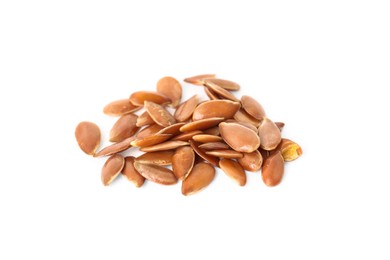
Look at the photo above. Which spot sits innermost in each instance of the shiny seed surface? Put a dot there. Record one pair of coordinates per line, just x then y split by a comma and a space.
131, 173
112, 168
252, 107
160, 158
183, 161
200, 177
251, 161
120, 107
269, 134
123, 128
186, 109
234, 170
216, 108
247, 142
138, 98
156, 173
88, 137
273, 169
171, 88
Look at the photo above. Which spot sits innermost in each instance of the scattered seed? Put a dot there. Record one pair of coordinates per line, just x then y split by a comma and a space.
170, 88
225, 154
115, 148
199, 178
186, 136
183, 161
150, 140
160, 158
273, 169
149, 130
244, 117
211, 94
144, 119
211, 159
247, 142
252, 107
156, 173
220, 91
185, 109
290, 150
234, 170
131, 173
138, 98
216, 108
223, 83
112, 168
203, 138
214, 146
269, 134
199, 79
88, 137
124, 128
172, 129
251, 161
201, 124
169, 145
120, 107
159, 114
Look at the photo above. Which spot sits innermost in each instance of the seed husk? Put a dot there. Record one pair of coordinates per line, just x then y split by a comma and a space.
159, 114
251, 161
211, 94
199, 178
112, 168
120, 107
212, 131
203, 138
124, 127
248, 142
131, 173
171, 88
252, 107
186, 136
185, 109
160, 158
169, 145
172, 129
138, 98
230, 154
149, 130
201, 124
234, 170
116, 147
220, 91
280, 125
273, 169
211, 159
183, 161
214, 146
88, 137
223, 83
150, 140
144, 119
242, 116
290, 150
269, 134
216, 108
156, 173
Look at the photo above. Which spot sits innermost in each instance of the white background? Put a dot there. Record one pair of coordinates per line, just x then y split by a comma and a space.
322, 67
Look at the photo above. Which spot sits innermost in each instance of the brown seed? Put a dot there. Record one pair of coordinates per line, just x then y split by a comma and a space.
246, 124
252, 107
202, 138
280, 125
183, 161
131, 173
186, 136
269, 134
159, 114
225, 154
200, 177
149, 130
220, 91
214, 146
199, 79
112, 168
150, 140
216, 108
120, 107
116, 148
273, 169
211, 159
223, 83
185, 109
251, 161
160, 158
172, 129
170, 88
212, 131
201, 124
138, 98
242, 116
238, 137
156, 173
265, 154
211, 94
169, 145
88, 137
144, 119
124, 128
290, 150
234, 170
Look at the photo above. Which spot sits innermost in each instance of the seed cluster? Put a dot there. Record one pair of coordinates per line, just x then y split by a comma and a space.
226, 132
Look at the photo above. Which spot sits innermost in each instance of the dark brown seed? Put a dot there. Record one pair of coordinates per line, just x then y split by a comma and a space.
242, 116
172, 129
225, 154
211, 159
186, 136
149, 130
290, 150
160, 158
159, 114
131, 173
120, 107
212, 131
216, 108
251, 161
150, 140
124, 127
116, 148
185, 109
280, 125
234, 170
238, 137
269, 134
112, 168
273, 169
138, 98
144, 119
226, 84
201, 124
156, 173
170, 88
252, 107
264, 154
202, 138
169, 145
214, 146
199, 178
199, 79
183, 161
88, 137
220, 91
211, 94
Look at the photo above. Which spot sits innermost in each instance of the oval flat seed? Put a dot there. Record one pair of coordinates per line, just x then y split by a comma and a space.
201, 124
185, 109
112, 168
124, 127
182, 162
156, 173
202, 138
159, 114
211, 94
169, 145
131, 173
280, 125
226, 84
186, 136
120, 107
88, 137
238, 137
290, 150
220, 91
211, 159
246, 124
170, 88
214, 146
225, 154
199, 178
149, 130
138, 98
234, 170
116, 148
150, 140
252, 107
216, 108
273, 169
212, 131
199, 79
160, 158
251, 161
242, 116
269, 134
144, 119
172, 129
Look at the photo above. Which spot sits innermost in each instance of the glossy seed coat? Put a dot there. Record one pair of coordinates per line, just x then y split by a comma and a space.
156, 173
201, 124
216, 108
273, 169
269, 134
234, 170
123, 128
230, 154
199, 178
159, 158
183, 161
251, 161
252, 107
116, 147
169, 145
171, 88
199, 79
131, 173
248, 142
120, 107
112, 168
138, 98
88, 137
185, 109
159, 114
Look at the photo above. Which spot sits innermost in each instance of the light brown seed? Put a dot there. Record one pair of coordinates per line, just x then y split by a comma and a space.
199, 178
252, 107
183, 161
185, 109
116, 147
246, 124
216, 108
202, 138
220, 91
199, 79
172, 129
230, 154
273, 169
171, 88
150, 140
269, 134
112, 168
226, 84
212, 131
211, 159
234, 170
156, 173
242, 116
280, 125
124, 127
159, 114
211, 94
120, 107
201, 124
186, 136
149, 130
138, 98
247, 142
290, 150
144, 119
131, 173
169, 145
88, 137
251, 161
160, 158
214, 146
